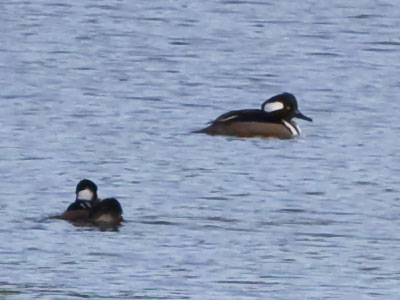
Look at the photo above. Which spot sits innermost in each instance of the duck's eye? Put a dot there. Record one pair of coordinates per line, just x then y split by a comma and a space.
288, 107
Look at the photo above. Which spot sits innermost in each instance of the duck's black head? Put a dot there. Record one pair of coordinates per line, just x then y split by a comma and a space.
283, 106
109, 205
107, 213
86, 190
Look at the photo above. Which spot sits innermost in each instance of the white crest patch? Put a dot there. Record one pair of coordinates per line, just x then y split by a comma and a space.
85, 194
294, 129
273, 106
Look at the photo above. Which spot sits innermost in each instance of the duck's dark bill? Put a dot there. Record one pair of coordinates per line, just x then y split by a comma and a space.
301, 116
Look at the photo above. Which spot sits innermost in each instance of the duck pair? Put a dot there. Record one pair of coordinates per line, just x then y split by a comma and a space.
89, 209
274, 119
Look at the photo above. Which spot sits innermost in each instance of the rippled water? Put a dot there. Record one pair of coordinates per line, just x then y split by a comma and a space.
109, 90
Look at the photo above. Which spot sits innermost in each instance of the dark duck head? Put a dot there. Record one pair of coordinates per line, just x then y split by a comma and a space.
107, 212
283, 107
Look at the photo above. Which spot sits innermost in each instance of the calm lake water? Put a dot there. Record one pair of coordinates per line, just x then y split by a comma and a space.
110, 90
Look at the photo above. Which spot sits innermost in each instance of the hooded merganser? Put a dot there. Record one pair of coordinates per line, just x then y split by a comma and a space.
274, 119
86, 196
88, 208
107, 212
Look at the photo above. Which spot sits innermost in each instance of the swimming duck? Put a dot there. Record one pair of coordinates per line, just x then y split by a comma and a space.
107, 212
88, 208
274, 119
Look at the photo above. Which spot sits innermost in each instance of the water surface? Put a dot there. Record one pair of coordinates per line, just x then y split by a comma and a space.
110, 91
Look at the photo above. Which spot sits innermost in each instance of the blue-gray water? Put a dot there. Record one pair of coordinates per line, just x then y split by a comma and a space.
109, 90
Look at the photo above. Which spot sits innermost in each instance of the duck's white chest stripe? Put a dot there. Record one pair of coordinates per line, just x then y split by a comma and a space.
294, 129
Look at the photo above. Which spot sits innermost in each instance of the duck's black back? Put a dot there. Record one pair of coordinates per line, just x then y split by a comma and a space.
246, 115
